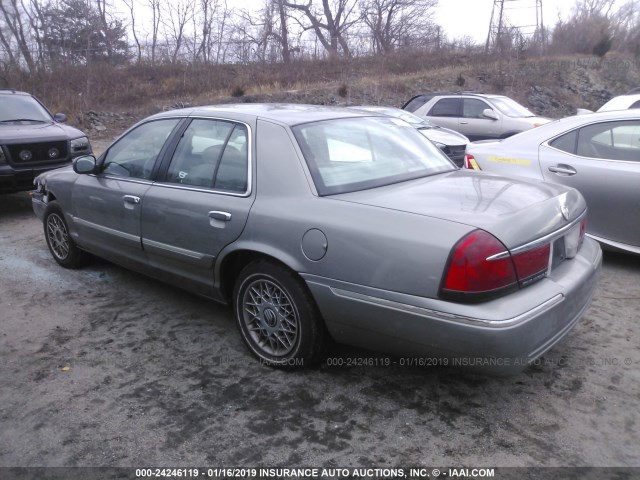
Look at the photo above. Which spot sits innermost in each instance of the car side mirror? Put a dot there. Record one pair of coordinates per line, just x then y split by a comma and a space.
85, 164
60, 117
488, 113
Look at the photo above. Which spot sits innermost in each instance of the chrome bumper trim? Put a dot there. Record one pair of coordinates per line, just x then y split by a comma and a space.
449, 317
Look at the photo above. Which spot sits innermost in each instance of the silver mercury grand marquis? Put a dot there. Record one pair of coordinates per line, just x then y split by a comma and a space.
318, 223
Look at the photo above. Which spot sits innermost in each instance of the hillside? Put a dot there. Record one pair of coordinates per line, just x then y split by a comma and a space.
551, 86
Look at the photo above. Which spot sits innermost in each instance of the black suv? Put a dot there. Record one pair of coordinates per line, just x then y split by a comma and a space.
33, 141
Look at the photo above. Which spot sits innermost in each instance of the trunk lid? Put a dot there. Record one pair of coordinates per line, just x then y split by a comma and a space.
515, 210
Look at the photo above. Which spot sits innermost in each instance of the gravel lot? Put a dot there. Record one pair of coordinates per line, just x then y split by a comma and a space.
101, 366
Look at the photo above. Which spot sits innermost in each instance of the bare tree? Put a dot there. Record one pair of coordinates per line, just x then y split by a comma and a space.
268, 30
156, 17
102, 15
177, 14
395, 22
13, 17
5, 41
206, 17
284, 31
131, 6
221, 21
330, 23
590, 29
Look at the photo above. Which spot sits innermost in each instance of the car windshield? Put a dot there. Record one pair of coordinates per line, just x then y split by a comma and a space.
511, 108
22, 108
346, 155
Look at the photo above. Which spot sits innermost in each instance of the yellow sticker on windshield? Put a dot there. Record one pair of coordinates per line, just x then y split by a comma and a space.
512, 161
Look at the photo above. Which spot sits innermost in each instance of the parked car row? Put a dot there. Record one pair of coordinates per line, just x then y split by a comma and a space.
599, 154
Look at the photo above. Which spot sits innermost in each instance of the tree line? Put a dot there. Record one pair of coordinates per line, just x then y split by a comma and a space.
41, 34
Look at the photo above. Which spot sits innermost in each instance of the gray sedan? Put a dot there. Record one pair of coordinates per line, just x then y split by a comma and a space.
599, 154
318, 223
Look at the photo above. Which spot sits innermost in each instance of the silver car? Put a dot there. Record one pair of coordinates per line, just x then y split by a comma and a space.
599, 154
477, 116
317, 222
452, 143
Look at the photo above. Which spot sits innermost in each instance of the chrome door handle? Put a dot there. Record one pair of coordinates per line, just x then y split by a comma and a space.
563, 169
464, 123
224, 216
131, 199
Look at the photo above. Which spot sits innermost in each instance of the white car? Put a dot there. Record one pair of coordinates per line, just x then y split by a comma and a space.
598, 154
622, 102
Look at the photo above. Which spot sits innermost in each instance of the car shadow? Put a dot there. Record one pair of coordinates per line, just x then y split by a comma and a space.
626, 261
15, 204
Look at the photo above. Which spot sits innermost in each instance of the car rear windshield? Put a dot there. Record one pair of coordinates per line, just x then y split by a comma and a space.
346, 155
22, 108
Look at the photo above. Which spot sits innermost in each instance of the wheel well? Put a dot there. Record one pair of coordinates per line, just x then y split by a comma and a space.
233, 264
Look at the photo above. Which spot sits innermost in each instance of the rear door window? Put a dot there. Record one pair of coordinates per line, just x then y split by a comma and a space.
447, 107
611, 141
566, 142
211, 154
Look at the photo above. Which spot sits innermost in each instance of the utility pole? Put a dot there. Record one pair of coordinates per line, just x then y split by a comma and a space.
503, 18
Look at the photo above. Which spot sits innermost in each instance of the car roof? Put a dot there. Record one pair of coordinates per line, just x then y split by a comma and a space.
287, 114
599, 116
375, 108
621, 102
426, 97
10, 91
552, 129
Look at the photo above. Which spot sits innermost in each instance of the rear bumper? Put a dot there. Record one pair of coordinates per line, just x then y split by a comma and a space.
503, 335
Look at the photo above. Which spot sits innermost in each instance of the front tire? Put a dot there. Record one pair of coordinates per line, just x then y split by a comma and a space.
277, 317
62, 247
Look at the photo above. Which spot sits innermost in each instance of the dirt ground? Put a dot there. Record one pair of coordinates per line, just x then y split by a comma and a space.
101, 366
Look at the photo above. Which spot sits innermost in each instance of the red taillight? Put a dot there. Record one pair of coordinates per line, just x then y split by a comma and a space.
532, 264
470, 162
480, 267
471, 274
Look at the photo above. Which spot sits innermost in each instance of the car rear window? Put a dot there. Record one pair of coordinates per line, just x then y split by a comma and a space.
346, 155
416, 102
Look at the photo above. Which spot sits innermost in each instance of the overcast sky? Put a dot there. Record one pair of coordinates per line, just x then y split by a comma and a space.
471, 18
458, 18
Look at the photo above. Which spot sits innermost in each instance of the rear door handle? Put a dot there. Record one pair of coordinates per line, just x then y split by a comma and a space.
464, 123
564, 170
216, 215
131, 199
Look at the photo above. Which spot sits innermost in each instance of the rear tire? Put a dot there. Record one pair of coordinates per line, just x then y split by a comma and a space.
277, 317
62, 247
